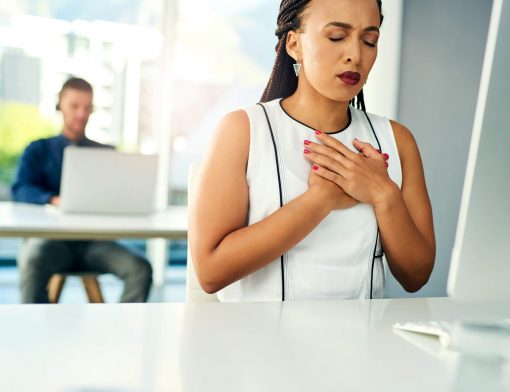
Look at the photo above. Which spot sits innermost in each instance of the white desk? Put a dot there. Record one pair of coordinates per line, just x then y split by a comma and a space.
29, 220
315, 346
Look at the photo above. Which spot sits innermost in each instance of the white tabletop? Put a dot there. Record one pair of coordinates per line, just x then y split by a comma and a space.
312, 346
29, 220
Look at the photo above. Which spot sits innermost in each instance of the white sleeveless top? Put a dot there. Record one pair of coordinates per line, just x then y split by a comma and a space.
342, 257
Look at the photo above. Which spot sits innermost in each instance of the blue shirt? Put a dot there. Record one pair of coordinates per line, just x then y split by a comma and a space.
40, 169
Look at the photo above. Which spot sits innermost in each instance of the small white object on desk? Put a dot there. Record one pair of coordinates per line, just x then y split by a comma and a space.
482, 338
440, 329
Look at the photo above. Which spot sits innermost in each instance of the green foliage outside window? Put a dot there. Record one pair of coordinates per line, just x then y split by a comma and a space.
20, 124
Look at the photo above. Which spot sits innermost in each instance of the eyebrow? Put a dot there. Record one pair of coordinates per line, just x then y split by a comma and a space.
350, 27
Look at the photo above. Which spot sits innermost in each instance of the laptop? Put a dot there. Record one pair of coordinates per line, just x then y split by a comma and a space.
99, 180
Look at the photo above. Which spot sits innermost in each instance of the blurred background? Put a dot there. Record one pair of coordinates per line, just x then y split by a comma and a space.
220, 58
165, 72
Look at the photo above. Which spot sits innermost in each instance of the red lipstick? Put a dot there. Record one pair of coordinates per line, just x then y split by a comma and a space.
350, 78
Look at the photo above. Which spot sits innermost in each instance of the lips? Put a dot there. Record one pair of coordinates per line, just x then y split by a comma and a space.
350, 78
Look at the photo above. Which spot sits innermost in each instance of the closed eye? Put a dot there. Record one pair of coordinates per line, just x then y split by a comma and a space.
336, 39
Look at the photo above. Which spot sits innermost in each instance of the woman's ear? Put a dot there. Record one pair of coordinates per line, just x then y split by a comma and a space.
293, 45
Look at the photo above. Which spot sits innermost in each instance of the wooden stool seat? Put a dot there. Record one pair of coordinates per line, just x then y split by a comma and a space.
90, 283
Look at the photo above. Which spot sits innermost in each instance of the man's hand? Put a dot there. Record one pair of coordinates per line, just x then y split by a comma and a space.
55, 201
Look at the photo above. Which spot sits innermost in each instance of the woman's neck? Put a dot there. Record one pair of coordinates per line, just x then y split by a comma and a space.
317, 112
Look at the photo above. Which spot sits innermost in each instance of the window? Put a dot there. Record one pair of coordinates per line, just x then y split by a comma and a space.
111, 43
223, 56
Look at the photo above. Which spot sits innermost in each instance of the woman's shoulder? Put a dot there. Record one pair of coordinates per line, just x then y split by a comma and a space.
406, 143
234, 126
249, 116
260, 109
236, 117
403, 136
401, 131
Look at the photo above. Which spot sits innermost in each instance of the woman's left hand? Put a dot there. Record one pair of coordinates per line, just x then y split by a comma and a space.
362, 175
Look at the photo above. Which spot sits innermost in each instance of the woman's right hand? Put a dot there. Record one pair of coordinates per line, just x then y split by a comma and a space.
332, 195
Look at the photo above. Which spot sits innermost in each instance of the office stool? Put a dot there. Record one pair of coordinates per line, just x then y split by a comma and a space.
90, 283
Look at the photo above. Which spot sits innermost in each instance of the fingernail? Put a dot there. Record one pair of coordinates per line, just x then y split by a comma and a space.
307, 142
318, 132
386, 156
386, 163
314, 167
306, 151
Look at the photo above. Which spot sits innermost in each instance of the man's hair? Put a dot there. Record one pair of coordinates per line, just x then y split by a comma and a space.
283, 82
74, 84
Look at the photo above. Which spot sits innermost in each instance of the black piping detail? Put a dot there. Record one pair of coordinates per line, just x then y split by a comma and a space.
373, 131
372, 267
374, 257
329, 133
280, 190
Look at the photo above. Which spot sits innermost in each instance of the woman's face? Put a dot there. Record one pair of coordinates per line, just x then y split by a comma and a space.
338, 46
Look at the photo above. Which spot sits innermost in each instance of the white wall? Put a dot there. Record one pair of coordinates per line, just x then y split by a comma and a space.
443, 45
381, 90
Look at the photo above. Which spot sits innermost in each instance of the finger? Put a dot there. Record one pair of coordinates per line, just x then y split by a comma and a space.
328, 175
334, 144
324, 161
326, 151
367, 150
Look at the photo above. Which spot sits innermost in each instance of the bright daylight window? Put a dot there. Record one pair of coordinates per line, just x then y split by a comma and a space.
221, 53
115, 45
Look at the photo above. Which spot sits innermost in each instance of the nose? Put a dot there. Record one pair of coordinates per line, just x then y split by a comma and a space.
353, 51
82, 113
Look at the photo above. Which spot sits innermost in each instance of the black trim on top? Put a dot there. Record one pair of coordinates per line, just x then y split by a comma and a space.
373, 131
279, 188
313, 129
374, 257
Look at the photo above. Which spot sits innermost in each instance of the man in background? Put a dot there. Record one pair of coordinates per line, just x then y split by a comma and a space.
38, 181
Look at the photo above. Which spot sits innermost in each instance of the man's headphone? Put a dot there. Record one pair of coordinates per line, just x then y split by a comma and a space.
74, 83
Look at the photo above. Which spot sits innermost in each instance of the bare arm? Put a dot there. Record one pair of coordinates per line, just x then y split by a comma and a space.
223, 247
405, 219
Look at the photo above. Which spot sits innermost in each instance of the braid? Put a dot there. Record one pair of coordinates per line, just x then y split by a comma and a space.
282, 82
359, 101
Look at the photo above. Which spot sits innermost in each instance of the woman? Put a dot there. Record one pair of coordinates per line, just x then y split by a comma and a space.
294, 202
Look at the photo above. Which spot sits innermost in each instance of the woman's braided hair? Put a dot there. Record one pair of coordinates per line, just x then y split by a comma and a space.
283, 82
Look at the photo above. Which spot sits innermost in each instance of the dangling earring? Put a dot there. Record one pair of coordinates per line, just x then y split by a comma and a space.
297, 68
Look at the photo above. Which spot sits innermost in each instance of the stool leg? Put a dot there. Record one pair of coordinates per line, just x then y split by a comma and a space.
55, 286
93, 290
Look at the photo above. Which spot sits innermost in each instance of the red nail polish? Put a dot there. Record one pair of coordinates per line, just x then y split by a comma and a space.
314, 167
307, 142
317, 132
306, 151
386, 163
386, 156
